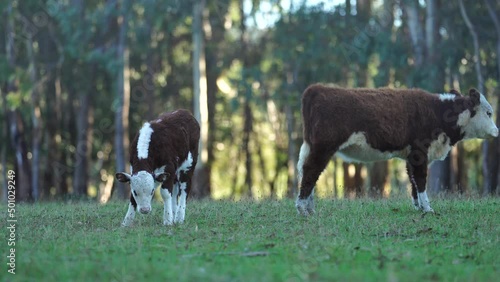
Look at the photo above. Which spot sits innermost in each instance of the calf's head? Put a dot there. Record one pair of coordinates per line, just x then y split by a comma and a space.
142, 187
477, 120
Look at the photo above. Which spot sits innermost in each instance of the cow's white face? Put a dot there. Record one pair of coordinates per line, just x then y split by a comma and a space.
481, 125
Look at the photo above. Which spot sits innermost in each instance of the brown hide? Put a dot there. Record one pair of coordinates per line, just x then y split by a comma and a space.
391, 119
174, 135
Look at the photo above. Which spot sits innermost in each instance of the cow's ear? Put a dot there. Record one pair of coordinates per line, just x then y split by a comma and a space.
456, 92
475, 96
161, 177
123, 177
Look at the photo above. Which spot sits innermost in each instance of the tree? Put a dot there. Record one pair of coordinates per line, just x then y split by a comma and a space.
493, 154
201, 183
122, 99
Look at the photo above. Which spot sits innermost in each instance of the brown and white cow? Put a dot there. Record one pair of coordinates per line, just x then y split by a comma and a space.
363, 125
164, 151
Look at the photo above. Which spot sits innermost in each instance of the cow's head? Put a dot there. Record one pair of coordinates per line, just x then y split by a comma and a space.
142, 187
477, 120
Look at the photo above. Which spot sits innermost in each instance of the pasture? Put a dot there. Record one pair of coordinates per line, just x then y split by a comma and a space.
346, 240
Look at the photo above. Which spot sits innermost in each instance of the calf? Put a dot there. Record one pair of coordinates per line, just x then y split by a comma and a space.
164, 151
363, 125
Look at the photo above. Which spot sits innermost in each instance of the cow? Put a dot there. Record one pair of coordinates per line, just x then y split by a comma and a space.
164, 151
364, 125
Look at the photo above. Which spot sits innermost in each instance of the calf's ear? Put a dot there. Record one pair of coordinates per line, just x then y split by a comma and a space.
475, 96
161, 177
123, 177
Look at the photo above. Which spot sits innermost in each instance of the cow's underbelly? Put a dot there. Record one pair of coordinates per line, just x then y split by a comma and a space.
356, 149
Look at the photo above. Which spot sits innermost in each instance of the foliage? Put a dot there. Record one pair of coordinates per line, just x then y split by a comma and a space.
361, 240
74, 54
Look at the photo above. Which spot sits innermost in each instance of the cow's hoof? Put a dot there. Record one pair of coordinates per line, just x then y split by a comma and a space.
428, 210
305, 207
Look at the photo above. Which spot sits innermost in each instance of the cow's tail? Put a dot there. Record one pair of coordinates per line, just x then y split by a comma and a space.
308, 98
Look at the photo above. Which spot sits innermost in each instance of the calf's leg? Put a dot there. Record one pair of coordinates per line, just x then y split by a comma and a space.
129, 217
184, 188
166, 194
175, 195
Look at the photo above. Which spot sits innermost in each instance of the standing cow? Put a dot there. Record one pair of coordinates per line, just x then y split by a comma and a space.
164, 151
364, 125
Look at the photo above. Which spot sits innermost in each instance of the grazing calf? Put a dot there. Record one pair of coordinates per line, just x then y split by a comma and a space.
363, 125
164, 151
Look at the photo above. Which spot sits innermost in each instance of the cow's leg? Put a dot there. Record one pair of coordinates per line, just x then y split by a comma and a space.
166, 194
413, 183
129, 217
419, 179
315, 162
304, 153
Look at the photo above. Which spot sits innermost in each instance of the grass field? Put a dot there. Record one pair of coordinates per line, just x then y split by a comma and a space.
346, 240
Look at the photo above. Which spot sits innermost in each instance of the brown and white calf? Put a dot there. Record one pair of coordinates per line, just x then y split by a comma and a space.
164, 151
363, 125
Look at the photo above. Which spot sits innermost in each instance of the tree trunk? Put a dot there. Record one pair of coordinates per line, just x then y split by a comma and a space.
201, 180
80, 176
247, 131
36, 119
416, 32
494, 156
475, 41
5, 140
15, 121
292, 153
487, 173
440, 171
123, 101
23, 171
379, 175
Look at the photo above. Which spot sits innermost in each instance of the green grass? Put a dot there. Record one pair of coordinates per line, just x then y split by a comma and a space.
346, 240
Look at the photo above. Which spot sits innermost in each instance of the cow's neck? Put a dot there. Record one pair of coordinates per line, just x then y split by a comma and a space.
449, 114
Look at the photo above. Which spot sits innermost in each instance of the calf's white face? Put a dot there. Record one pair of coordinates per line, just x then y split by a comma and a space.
142, 187
481, 125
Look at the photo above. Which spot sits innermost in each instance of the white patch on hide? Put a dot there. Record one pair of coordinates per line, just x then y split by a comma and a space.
463, 119
356, 149
129, 217
159, 170
144, 140
439, 149
305, 149
168, 215
186, 164
447, 97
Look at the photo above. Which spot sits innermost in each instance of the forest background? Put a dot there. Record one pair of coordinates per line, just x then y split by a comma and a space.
78, 78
